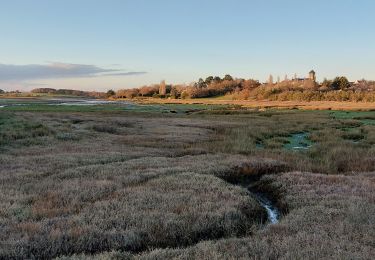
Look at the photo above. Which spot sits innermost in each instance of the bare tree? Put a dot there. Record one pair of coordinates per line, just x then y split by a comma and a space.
162, 88
270, 80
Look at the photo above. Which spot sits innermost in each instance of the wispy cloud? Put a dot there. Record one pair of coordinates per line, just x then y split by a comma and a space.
131, 73
56, 70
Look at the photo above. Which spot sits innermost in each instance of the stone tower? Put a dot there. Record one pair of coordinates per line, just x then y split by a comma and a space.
312, 75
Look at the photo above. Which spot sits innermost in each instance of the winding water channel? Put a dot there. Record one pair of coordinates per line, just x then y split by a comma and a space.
273, 213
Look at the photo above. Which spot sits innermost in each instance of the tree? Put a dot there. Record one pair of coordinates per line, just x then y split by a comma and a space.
250, 84
340, 83
174, 92
201, 83
149, 91
209, 80
127, 93
162, 88
270, 80
43, 90
228, 77
111, 93
184, 94
217, 79
2, 91
326, 84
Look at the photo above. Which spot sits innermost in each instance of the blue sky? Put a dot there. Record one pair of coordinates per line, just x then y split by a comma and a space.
102, 44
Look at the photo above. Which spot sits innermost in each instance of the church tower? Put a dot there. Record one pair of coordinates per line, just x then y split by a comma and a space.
312, 75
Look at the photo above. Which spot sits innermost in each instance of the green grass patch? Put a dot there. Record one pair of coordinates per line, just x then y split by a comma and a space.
366, 117
13, 129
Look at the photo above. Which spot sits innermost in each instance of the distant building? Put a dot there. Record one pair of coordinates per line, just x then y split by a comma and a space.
308, 82
312, 75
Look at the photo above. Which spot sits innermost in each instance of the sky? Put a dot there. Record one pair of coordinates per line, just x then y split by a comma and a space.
115, 44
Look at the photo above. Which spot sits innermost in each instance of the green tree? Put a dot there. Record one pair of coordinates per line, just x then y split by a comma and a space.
228, 77
217, 79
201, 83
340, 83
111, 93
209, 80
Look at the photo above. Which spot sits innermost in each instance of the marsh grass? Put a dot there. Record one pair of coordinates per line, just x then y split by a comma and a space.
15, 130
159, 185
329, 140
326, 213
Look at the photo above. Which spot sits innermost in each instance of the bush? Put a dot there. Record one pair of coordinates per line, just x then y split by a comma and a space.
105, 129
44, 90
127, 93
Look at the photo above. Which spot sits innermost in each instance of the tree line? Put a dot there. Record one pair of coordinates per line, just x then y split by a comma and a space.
337, 89
70, 92
210, 87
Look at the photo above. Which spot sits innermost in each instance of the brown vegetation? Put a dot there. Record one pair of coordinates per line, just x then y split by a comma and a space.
267, 104
338, 89
162, 185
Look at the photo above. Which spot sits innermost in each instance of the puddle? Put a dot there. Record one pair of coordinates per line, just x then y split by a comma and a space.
299, 141
259, 145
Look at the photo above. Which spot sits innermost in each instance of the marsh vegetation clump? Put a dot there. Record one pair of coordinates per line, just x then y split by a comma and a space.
21, 130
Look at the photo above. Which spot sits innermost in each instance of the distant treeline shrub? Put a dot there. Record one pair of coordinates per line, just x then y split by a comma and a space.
211, 87
69, 92
336, 95
44, 90
338, 89
127, 93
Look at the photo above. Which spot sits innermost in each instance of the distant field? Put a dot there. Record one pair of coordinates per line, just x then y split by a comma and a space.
144, 181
